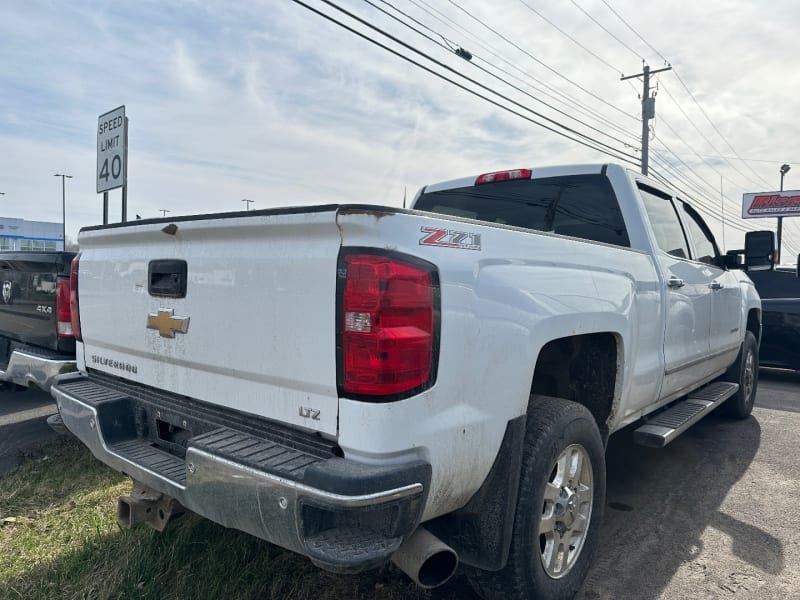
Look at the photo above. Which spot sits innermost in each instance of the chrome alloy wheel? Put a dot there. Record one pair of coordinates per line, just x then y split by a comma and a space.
566, 511
749, 376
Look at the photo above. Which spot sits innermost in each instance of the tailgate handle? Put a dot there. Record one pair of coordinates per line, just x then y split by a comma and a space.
167, 278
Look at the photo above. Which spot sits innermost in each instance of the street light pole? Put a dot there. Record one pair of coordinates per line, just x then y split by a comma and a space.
784, 170
63, 209
249, 202
164, 211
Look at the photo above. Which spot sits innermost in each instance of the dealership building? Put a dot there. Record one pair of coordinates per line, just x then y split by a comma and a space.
22, 235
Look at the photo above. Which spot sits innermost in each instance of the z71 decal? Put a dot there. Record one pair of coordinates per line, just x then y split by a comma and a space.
447, 238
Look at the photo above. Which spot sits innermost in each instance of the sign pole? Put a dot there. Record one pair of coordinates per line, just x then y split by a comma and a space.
784, 169
125, 181
112, 157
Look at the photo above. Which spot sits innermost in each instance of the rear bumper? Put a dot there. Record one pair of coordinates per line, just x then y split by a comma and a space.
30, 367
345, 516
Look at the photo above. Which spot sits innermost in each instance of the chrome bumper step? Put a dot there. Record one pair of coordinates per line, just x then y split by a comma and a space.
288, 487
154, 459
668, 425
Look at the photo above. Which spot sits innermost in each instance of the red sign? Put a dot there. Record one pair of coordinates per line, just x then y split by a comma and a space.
771, 204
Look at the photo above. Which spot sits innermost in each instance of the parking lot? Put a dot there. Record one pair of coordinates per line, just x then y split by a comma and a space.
714, 515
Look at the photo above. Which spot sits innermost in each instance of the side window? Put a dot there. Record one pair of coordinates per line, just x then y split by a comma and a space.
701, 236
665, 223
589, 211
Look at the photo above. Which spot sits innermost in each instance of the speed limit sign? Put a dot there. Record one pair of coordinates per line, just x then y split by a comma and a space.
112, 150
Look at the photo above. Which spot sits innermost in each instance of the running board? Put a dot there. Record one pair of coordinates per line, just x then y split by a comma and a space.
666, 426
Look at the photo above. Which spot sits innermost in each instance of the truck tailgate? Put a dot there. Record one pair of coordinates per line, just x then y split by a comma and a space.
255, 328
28, 297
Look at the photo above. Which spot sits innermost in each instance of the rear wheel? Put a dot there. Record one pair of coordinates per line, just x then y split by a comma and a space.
559, 506
744, 372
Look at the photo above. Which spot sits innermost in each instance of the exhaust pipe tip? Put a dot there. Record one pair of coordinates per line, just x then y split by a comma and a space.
427, 560
439, 568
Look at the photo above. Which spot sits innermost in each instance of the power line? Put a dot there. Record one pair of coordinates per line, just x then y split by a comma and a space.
698, 195
569, 37
685, 87
699, 178
574, 105
704, 113
591, 143
636, 33
562, 97
692, 123
724, 139
697, 154
601, 26
448, 48
473, 81
708, 207
545, 65
760, 160
686, 179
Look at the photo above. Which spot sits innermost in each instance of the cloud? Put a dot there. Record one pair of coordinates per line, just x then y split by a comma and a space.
268, 101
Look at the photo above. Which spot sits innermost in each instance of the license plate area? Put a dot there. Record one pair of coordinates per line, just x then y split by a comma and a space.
173, 436
171, 430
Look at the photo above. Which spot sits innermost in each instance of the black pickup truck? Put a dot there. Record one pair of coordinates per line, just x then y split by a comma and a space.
36, 332
780, 304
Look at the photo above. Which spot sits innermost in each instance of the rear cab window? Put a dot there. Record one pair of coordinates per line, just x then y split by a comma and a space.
582, 206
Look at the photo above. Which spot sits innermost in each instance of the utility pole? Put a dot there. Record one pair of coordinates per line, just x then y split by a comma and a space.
63, 209
784, 170
648, 110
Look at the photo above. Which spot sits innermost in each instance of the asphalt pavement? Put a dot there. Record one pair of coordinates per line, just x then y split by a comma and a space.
23, 426
713, 515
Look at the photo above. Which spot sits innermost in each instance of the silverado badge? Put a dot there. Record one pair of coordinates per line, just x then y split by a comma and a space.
166, 323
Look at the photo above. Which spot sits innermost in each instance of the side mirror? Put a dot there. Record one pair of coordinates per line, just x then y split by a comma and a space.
759, 250
797, 268
733, 259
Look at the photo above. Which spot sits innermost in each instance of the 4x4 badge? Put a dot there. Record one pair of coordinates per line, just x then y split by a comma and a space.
166, 323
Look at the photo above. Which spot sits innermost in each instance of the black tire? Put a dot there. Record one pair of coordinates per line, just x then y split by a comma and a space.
554, 426
744, 372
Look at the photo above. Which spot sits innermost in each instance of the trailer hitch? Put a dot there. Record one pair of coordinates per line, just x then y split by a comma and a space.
146, 505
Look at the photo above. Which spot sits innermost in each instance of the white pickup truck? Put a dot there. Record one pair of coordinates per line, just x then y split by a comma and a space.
361, 383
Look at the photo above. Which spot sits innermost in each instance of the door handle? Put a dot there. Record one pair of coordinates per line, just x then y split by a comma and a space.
675, 282
167, 278
715, 285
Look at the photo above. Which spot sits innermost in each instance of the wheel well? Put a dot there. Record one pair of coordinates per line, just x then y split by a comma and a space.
581, 368
754, 323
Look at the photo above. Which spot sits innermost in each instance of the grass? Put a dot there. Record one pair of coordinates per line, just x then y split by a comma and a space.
59, 539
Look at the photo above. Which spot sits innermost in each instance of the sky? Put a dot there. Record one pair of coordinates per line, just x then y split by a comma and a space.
271, 102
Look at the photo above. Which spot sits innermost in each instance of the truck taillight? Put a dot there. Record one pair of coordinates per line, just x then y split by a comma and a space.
388, 325
63, 318
75, 318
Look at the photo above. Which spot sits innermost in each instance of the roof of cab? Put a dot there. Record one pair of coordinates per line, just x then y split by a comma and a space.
536, 173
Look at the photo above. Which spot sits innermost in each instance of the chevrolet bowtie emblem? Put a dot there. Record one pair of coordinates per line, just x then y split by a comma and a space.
166, 323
